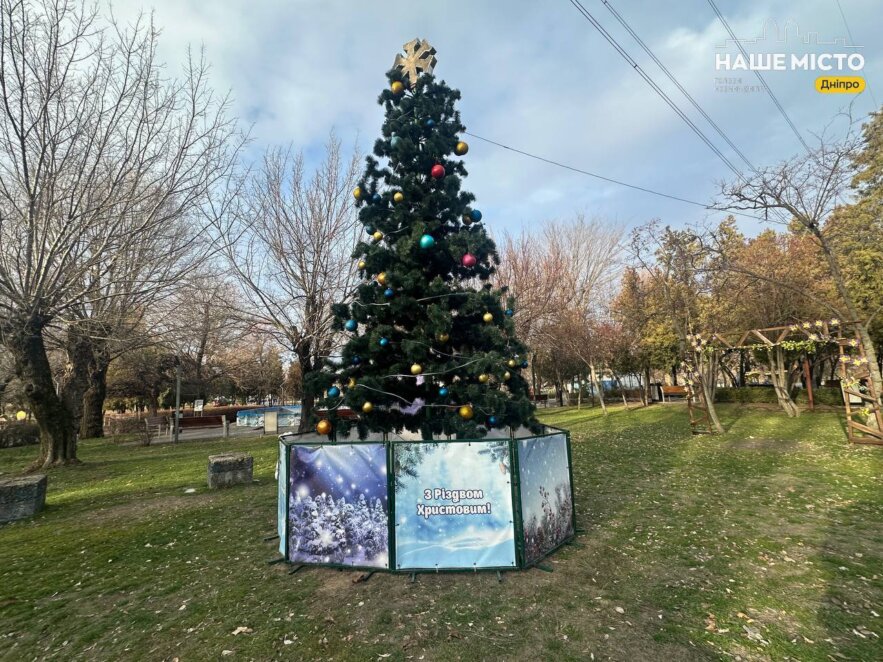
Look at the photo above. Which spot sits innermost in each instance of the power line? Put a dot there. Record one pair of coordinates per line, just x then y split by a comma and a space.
674, 80
689, 97
619, 49
852, 42
766, 87
610, 179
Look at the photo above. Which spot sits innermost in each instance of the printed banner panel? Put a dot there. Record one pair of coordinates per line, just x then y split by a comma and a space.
281, 484
453, 505
287, 417
546, 496
337, 506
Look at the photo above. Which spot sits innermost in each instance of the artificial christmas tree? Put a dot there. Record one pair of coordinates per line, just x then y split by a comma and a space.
431, 347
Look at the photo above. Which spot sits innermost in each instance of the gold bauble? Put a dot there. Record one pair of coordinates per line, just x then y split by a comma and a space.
467, 219
466, 412
362, 264
377, 235
461, 148
357, 193
443, 337
483, 378
381, 278
506, 376
416, 369
511, 363
488, 318
323, 426
352, 382
398, 197
367, 407
397, 87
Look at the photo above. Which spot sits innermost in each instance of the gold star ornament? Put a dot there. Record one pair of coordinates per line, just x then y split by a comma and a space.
419, 58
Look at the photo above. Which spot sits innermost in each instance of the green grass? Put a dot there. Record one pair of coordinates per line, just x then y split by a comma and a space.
765, 543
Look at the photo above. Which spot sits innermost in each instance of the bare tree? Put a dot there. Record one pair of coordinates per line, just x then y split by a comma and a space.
676, 261
99, 155
290, 245
807, 188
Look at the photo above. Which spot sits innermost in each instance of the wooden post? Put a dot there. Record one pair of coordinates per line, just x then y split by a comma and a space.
807, 383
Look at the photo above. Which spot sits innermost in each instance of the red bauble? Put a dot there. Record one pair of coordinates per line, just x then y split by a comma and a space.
438, 171
469, 260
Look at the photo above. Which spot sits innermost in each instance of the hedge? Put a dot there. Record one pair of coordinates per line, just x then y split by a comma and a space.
19, 434
825, 395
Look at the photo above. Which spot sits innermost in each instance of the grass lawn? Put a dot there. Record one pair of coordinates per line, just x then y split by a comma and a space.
763, 543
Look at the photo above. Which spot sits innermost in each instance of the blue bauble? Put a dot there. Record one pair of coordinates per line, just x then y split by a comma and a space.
427, 241
369, 229
395, 141
388, 292
443, 391
430, 123
524, 364
356, 360
475, 215
509, 312
384, 342
375, 198
492, 420
333, 392
351, 325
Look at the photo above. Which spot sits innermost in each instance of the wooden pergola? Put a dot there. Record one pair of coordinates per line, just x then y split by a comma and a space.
860, 396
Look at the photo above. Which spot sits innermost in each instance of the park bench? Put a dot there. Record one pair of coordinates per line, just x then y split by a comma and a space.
674, 391
196, 422
155, 427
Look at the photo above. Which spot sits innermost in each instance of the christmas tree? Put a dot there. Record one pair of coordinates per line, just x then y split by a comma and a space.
431, 346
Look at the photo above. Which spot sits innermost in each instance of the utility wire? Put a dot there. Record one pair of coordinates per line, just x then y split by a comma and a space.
766, 87
610, 179
674, 80
619, 49
689, 97
852, 42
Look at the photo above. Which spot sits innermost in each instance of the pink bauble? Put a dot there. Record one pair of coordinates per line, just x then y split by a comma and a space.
469, 260
438, 171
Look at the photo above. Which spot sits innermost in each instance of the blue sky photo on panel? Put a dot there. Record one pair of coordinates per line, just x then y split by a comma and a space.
546, 495
453, 505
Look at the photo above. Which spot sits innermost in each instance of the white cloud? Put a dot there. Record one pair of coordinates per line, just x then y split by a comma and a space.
533, 75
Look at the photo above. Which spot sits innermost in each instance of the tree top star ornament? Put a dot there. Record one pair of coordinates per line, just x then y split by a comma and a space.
419, 58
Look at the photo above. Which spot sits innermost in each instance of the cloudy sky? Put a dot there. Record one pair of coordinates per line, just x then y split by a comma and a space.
536, 76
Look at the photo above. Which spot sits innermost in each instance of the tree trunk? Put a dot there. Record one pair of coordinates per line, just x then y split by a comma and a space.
647, 394
708, 365
779, 375
846, 296
596, 384
308, 401
58, 439
92, 423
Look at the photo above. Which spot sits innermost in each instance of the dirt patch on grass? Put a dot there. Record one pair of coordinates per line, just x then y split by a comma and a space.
770, 445
137, 509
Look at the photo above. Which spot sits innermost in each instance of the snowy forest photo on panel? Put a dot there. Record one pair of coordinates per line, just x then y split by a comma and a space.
546, 497
453, 505
337, 505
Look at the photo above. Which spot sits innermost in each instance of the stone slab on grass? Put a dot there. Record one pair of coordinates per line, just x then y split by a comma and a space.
230, 469
21, 497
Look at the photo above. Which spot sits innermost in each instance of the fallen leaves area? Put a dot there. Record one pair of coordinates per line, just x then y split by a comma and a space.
764, 543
